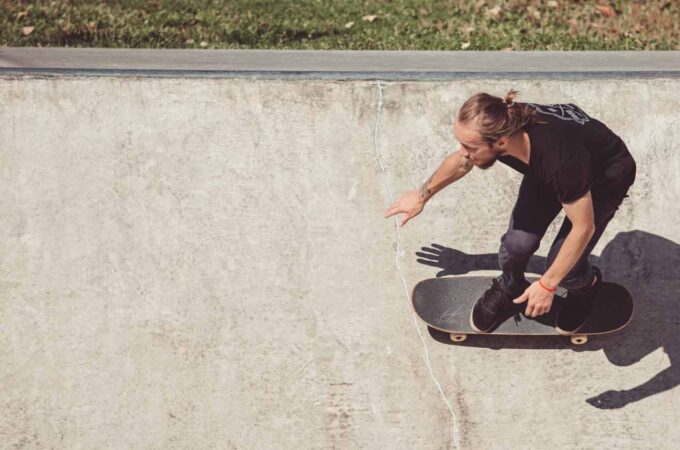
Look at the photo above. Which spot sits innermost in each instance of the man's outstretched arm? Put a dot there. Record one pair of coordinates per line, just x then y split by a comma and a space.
453, 168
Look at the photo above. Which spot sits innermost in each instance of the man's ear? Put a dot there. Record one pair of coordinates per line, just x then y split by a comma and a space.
501, 143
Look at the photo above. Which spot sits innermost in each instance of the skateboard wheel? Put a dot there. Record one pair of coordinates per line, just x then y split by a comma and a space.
458, 337
579, 340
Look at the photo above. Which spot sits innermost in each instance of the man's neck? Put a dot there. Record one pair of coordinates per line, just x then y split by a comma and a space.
520, 147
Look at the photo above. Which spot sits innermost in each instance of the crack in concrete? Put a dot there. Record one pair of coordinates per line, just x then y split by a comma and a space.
399, 253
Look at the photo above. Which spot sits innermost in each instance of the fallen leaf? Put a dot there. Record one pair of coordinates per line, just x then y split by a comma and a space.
606, 11
91, 26
507, 49
203, 44
27, 30
67, 27
349, 24
533, 12
369, 18
22, 14
465, 45
494, 12
189, 41
552, 4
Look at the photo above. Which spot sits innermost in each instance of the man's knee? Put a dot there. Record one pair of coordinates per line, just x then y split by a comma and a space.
520, 243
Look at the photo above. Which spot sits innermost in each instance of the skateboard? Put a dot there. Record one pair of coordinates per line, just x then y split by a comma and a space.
446, 303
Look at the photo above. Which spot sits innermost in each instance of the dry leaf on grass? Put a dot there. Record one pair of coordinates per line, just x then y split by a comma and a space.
533, 12
494, 13
349, 24
606, 10
27, 30
369, 18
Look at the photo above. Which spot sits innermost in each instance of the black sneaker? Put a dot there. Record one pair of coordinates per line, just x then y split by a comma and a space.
494, 307
577, 307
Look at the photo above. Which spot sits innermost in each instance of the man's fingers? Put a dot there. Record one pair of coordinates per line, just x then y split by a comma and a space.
535, 311
394, 209
522, 298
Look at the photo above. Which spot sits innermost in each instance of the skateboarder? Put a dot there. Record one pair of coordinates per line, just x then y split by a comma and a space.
570, 161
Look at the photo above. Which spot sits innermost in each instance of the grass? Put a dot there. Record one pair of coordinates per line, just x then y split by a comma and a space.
348, 24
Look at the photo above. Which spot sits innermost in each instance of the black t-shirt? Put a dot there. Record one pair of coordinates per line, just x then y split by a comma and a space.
572, 153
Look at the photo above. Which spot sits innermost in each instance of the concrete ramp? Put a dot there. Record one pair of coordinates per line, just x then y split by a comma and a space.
193, 254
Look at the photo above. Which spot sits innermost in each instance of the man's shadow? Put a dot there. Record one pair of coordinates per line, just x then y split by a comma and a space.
644, 263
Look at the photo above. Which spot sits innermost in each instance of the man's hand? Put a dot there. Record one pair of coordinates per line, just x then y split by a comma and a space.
409, 203
539, 300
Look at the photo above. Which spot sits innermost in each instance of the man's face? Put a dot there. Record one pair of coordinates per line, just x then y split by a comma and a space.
473, 147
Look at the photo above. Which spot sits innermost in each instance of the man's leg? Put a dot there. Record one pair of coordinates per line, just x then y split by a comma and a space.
536, 207
581, 278
582, 275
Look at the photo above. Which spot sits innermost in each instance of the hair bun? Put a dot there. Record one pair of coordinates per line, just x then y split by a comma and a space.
509, 98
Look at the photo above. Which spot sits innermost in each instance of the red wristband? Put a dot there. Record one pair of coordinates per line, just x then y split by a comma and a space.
546, 287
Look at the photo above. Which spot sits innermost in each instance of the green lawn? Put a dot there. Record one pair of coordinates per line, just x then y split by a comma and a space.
348, 24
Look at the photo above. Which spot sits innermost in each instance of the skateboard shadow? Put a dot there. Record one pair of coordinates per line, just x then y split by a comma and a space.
644, 263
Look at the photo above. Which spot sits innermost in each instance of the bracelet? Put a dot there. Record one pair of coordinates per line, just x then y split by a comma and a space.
545, 287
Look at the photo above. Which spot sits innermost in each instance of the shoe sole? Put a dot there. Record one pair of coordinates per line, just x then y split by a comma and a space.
568, 333
472, 324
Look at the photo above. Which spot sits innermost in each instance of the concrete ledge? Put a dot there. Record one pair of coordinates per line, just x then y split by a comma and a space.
336, 64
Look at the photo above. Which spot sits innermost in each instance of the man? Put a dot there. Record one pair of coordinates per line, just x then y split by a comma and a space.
570, 161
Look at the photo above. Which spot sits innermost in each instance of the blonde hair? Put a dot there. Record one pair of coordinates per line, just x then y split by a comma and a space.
494, 117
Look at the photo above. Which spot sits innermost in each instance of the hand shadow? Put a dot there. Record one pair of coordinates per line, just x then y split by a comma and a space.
647, 265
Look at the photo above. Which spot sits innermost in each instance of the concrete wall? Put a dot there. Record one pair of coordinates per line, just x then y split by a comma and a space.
203, 262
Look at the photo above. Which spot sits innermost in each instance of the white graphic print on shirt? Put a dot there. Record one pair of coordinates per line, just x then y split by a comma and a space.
563, 112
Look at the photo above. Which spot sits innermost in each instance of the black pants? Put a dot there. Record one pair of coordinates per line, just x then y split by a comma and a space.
536, 207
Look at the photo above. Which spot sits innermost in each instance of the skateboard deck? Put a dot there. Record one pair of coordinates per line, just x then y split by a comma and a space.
446, 303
